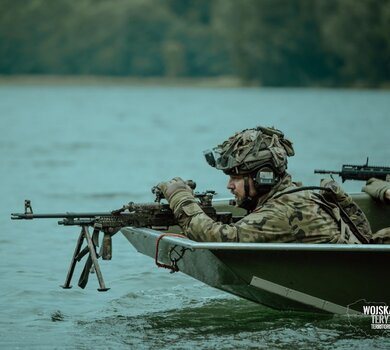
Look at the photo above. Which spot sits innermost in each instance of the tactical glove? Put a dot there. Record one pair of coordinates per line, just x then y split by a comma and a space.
170, 188
377, 188
177, 193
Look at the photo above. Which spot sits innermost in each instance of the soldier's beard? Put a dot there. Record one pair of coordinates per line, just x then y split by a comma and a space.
250, 203
245, 200
247, 203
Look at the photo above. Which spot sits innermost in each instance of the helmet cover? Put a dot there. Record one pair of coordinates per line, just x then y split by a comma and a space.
251, 149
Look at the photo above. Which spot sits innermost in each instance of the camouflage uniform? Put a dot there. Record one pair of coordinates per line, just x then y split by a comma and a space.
278, 216
293, 217
376, 189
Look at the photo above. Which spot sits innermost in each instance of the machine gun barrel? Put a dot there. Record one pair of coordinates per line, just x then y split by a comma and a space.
30, 216
157, 215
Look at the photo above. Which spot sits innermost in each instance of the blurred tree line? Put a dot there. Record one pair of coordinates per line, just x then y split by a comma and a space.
265, 42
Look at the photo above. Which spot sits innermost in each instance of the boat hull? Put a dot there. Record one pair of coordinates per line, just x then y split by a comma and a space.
303, 277
333, 278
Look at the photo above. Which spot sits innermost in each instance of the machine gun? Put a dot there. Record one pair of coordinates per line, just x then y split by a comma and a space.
155, 215
359, 172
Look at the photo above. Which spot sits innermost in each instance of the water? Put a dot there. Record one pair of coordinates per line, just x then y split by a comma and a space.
94, 148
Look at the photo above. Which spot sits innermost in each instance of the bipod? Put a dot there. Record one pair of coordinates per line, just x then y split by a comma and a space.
92, 260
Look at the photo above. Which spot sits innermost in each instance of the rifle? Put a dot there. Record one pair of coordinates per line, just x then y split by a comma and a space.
359, 172
154, 215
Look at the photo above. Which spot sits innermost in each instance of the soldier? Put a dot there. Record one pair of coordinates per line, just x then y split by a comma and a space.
379, 190
278, 211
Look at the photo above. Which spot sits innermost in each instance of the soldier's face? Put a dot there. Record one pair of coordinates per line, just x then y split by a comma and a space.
236, 185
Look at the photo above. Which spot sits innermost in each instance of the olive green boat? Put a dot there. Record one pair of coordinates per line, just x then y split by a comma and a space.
303, 277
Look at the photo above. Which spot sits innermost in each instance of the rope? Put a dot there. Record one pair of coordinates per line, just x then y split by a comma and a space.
173, 267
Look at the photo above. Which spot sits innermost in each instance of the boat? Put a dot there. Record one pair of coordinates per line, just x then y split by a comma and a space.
327, 278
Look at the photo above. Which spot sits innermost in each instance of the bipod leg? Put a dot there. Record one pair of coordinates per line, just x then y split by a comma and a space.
74, 261
93, 260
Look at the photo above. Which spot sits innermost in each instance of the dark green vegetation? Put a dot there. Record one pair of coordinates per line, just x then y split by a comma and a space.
263, 42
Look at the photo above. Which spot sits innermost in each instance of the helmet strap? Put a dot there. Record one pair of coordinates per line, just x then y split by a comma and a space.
248, 203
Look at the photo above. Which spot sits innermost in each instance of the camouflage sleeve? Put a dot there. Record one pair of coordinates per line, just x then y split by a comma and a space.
255, 227
290, 218
377, 188
268, 226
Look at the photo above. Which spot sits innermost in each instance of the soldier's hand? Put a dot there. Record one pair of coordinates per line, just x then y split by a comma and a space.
376, 188
173, 186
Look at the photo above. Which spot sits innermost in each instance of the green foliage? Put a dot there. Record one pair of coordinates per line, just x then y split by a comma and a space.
358, 33
268, 42
276, 42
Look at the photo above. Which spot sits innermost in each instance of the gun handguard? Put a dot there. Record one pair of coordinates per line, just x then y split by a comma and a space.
359, 172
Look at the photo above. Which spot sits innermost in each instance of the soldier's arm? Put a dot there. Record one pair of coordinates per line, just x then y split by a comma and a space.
255, 227
378, 189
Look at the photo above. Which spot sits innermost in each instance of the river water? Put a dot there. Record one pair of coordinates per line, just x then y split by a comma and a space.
97, 147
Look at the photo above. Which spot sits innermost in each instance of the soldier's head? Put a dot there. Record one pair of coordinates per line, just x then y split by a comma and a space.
255, 159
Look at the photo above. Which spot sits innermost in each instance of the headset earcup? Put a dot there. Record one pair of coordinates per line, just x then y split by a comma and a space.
265, 177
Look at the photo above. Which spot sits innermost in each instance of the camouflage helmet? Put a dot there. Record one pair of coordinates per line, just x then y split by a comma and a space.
252, 149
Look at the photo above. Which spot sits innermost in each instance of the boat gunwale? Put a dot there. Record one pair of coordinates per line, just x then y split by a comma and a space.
190, 244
